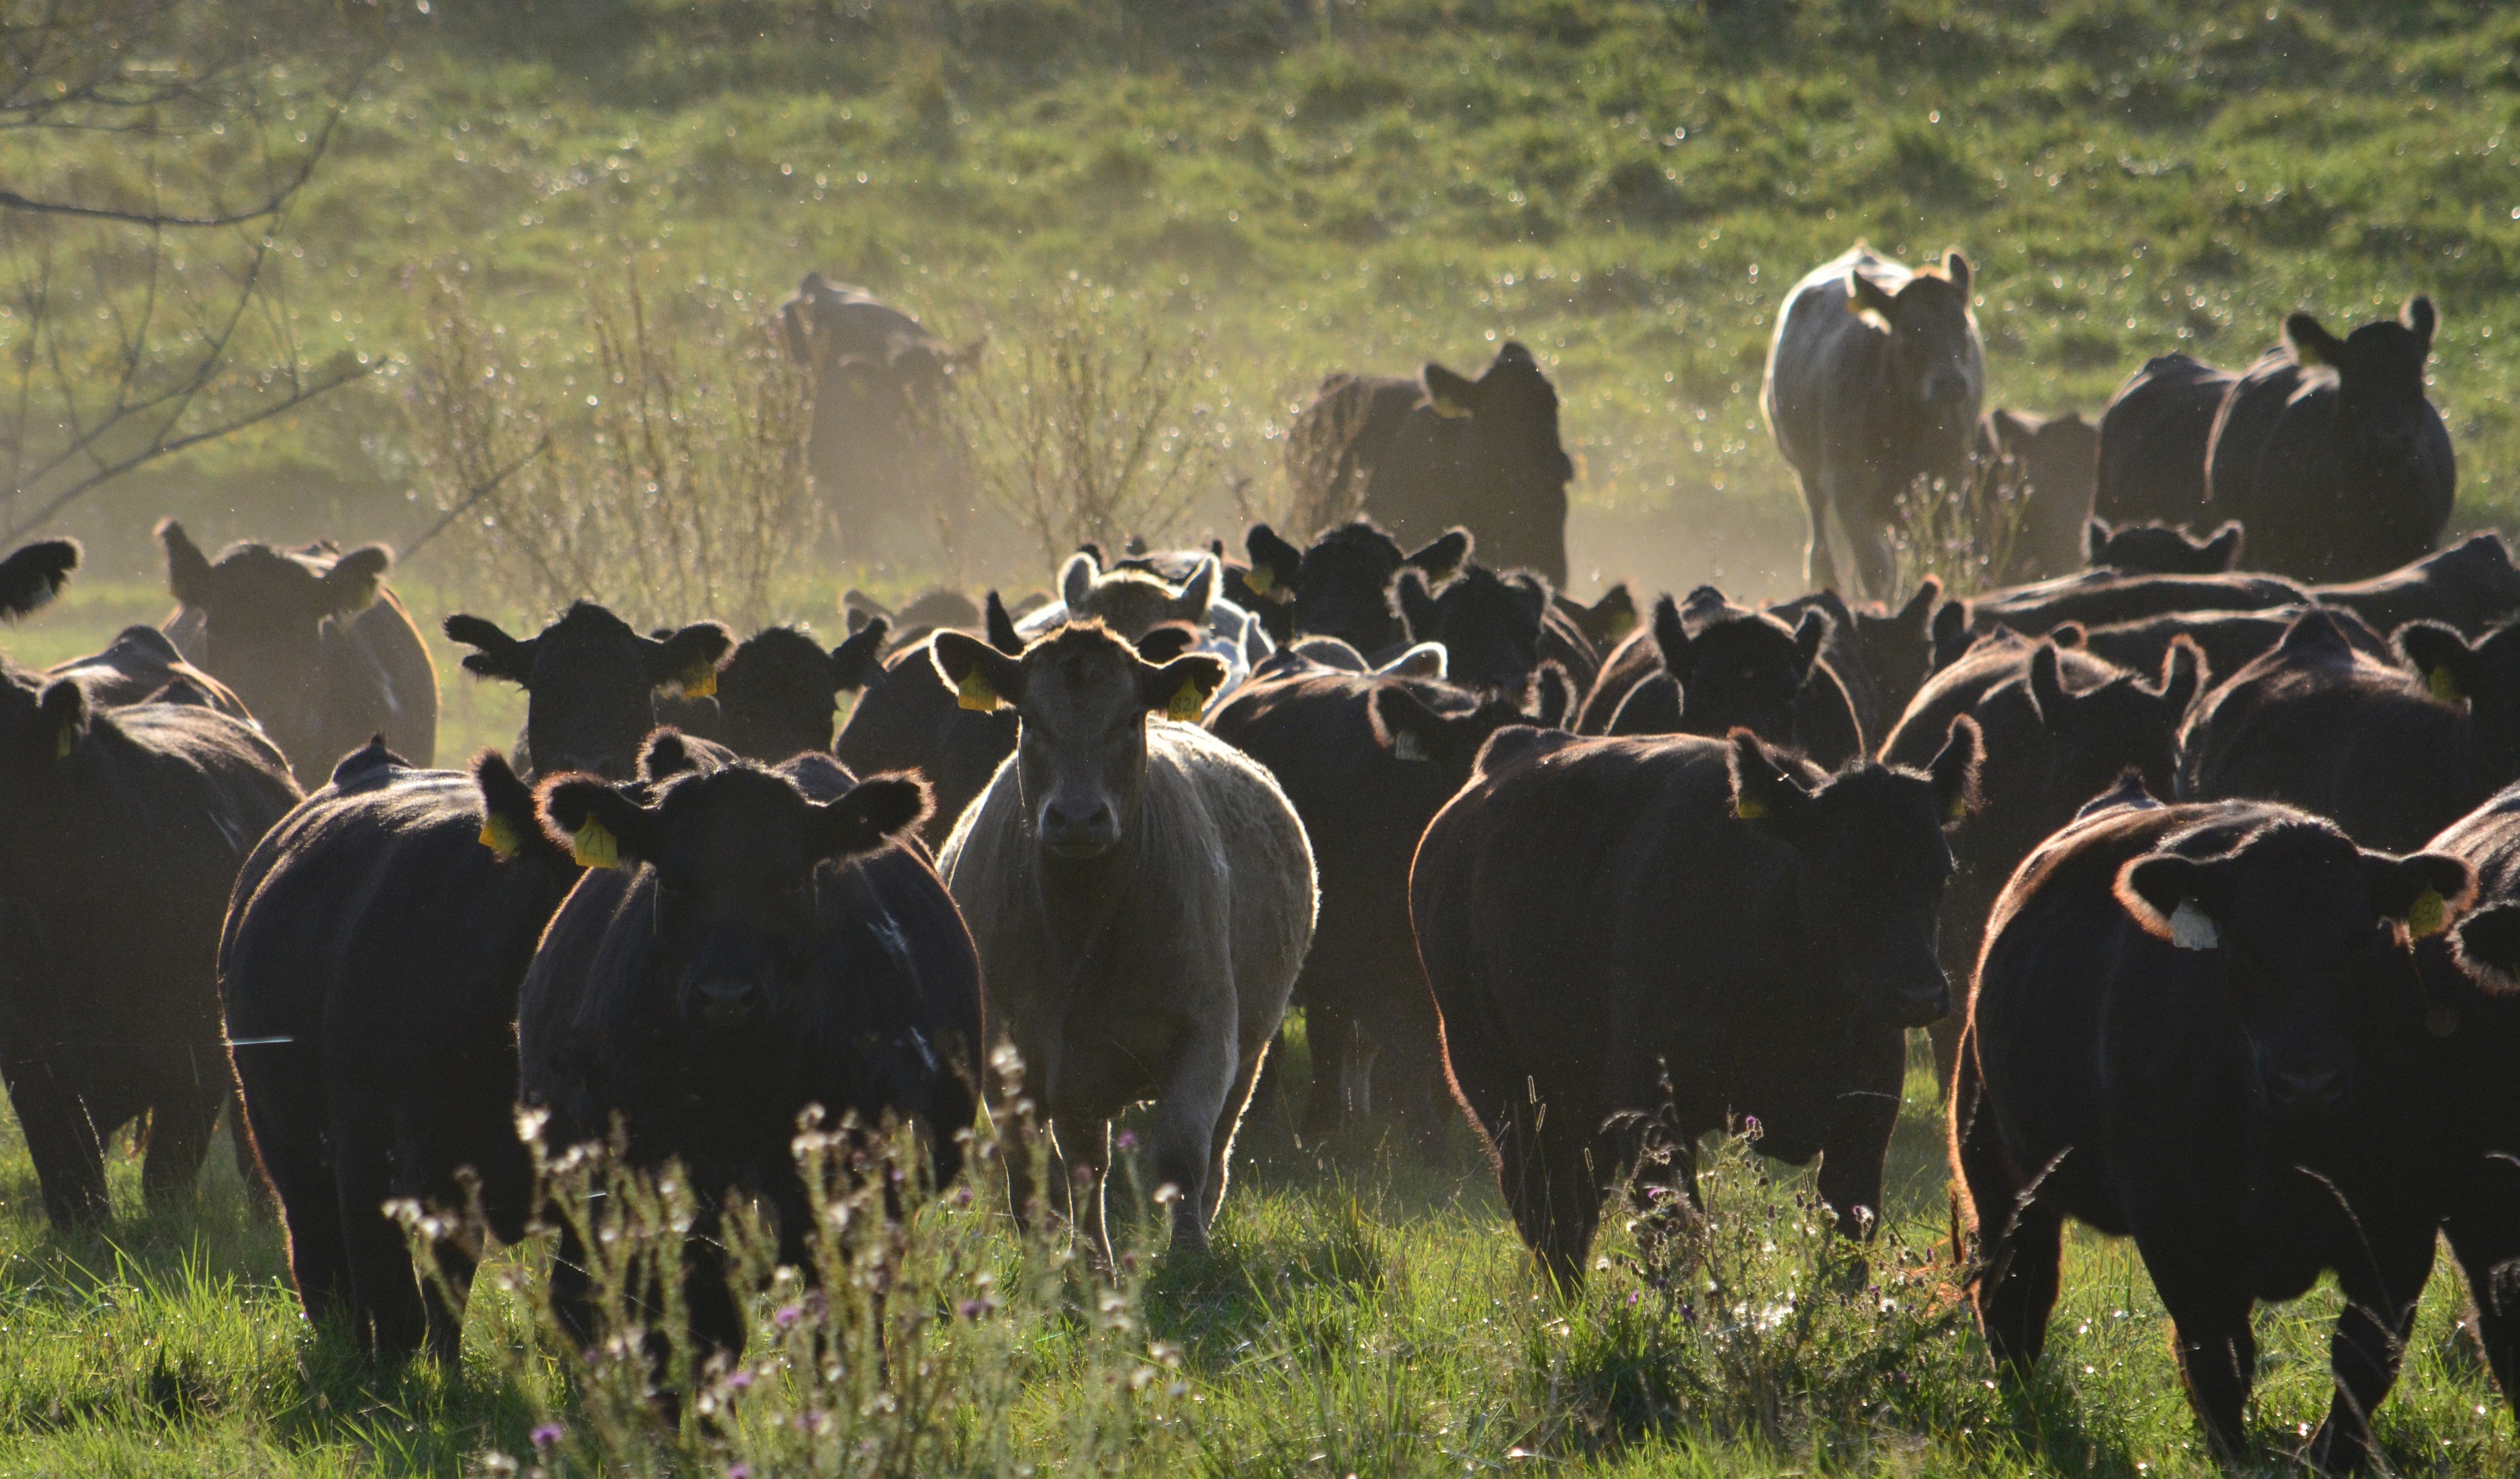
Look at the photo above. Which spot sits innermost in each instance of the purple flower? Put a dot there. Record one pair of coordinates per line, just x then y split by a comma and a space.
739, 1471
738, 1380
547, 1434
1128, 1140
974, 1309
788, 1314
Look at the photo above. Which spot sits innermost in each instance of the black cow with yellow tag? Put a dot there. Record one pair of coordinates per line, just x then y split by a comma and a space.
591, 682
2393, 752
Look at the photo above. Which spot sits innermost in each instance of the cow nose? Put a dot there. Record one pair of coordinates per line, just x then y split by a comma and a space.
1078, 832
2311, 1088
1921, 1003
727, 998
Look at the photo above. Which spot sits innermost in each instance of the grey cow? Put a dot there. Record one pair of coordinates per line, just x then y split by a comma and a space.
1142, 895
1875, 378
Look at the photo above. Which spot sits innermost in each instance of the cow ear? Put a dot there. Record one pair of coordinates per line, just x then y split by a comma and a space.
1199, 593
598, 826
32, 576
1954, 769
2441, 656
1403, 724
510, 826
1862, 294
1274, 564
2422, 891
188, 569
1671, 637
1166, 640
1442, 555
1763, 791
1919, 613
2179, 899
1180, 688
1810, 635
2312, 344
1956, 268
496, 655
63, 714
1451, 394
1551, 697
1076, 582
1951, 633
981, 676
667, 754
876, 811
1417, 603
857, 659
690, 657
2183, 673
2225, 545
2420, 319
2488, 943
2047, 692
1001, 627
2096, 541
351, 585
1531, 589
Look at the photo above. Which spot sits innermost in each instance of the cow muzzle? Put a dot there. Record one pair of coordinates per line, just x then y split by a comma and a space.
2308, 1087
1917, 1003
1078, 832
726, 1001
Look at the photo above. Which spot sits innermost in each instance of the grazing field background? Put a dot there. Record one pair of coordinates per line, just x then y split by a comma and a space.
1268, 191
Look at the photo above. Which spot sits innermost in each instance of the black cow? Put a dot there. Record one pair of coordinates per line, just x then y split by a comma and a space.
2192, 1027
2230, 638
1496, 629
1367, 761
777, 696
2102, 598
1633, 942
2329, 454
2393, 753
140, 665
2059, 725
1342, 586
880, 381
125, 831
908, 720
763, 949
313, 641
1880, 655
1425, 454
2153, 436
1722, 667
370, 968
2159, 549
2471, 586
2054, 459
592, 681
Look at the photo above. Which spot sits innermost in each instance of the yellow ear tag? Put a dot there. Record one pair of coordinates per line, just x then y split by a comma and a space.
2444, 687
67, 743
700, 682
499, 834
975, 693
2430, 915
1621, 625
1748, 810
1261, 580
595, 847
1959, 809
1187, 703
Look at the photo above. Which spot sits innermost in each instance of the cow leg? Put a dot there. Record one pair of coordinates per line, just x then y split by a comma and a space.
708, 1300
1238, 1102
1550, 1180
1820, 565
67, 1152
2216, 1350
2489, 1256
2380, 1291
1356, 1075
259, 1192
1858, 1133
384, 1287
1331, 1034
2017, 1242
1195, 1099
180, 1125
444, 1308
1079, 1165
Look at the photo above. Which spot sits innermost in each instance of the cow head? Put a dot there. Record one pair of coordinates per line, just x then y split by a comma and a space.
1131, 603
2157, 548
41, 724
1083, 698
589, 681
2293, 912
1489, 625
779, 691
1443, 728
1933, 338
1871, 863
2379, 370
735, 855
1737, 668
33, 575
264, 613
2483, 676
1513, 410
1341, 586
2096, 733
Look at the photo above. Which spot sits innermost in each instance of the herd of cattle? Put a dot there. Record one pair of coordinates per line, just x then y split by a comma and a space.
2231, 861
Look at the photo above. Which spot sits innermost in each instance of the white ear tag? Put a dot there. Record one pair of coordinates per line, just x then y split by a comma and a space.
2191, 928
1406, 745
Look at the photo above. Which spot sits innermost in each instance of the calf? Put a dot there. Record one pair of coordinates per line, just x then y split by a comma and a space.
312, 640
2393, 753
1366, 762
1633, 942
1722, 667
1875, 380
1142, 895
762, 949
777, 696
369, 969
1425, 454
2159, 549
2153, 435
1342, 586
125, 829
2059, 725
2188, 1028
591, 682
2470, 586
1496, 629
2329, 452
